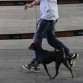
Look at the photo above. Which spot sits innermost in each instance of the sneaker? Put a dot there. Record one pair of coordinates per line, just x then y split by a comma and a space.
33, 66
32, 69
73, 59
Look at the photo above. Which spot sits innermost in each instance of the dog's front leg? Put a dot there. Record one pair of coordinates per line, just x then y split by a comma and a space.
45, 67
57, 68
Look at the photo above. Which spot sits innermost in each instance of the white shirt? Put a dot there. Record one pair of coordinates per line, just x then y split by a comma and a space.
49, 9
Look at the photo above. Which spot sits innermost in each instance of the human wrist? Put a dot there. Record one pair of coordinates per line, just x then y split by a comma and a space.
31, 4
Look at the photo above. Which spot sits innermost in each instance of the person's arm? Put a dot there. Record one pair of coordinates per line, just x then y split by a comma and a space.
31, 4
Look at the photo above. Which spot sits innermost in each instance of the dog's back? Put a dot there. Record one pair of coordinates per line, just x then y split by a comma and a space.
50, 56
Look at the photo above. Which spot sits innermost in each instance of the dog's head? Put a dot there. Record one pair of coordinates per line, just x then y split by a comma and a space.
34, 47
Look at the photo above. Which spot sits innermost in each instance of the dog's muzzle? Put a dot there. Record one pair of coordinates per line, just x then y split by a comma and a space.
30, 48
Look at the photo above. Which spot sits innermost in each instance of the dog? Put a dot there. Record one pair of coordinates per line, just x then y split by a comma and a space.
45, 57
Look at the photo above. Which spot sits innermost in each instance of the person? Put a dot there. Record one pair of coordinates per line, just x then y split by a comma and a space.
46, 27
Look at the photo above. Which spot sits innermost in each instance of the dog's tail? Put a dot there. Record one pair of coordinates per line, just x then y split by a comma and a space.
64, 55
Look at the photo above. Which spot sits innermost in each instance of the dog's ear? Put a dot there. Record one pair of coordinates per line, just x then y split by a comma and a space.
32, 46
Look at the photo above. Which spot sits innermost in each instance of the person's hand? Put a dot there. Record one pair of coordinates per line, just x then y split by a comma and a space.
28, 6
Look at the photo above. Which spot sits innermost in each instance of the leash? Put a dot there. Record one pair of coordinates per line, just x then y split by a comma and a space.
36, 14
36, 23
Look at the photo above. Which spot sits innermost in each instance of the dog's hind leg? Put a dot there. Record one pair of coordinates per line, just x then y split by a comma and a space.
66, 64
45, 67
57, 68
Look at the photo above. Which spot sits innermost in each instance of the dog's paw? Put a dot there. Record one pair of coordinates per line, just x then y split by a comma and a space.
53, 77
72, 76
50, 77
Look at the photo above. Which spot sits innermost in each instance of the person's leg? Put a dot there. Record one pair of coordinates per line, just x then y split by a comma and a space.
40, 33
38, 36
51, 37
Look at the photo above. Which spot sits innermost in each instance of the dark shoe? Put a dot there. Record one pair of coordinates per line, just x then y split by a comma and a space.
73, 59
33, 66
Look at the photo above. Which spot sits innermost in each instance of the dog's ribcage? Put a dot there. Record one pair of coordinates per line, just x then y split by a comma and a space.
49, 56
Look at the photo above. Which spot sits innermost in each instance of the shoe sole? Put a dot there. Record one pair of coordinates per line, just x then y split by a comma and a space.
74, 61
29, 70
